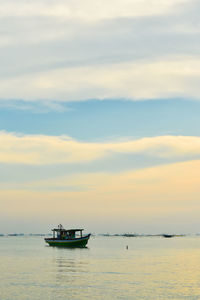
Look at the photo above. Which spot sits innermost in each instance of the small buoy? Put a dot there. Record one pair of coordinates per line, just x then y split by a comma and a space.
127, 247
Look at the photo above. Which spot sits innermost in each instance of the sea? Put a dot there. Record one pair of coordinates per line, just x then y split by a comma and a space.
111, 267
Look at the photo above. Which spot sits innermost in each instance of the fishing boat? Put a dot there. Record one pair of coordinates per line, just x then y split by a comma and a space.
67, 237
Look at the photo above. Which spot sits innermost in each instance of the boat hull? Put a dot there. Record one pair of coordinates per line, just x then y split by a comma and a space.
77, 242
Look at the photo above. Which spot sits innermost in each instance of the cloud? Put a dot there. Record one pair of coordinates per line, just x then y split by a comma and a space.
47, 150
133, 80
178, 181
88, 10
162, 197
74, 50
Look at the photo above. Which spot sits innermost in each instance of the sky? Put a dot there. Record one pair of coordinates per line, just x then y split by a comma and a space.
99, 115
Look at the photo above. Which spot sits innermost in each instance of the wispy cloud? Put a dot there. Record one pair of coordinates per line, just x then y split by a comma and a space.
177, 77
88, 10
74, 50
42, 150
150, 197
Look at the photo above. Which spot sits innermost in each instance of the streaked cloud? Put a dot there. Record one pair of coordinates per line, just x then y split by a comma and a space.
87, 10
74, 50
42, 150
133, 80
148, 200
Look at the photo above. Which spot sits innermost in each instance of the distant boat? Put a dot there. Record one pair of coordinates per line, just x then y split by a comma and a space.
67, 238
168, 235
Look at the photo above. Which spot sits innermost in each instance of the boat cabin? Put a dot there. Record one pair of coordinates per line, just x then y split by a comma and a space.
60, 233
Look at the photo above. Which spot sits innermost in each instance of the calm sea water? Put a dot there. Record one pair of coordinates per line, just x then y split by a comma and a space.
151, 268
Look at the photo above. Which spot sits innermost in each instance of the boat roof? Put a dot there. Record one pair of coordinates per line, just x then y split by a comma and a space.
67, 230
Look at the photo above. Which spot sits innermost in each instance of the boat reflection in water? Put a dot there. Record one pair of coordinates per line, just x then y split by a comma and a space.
67, 238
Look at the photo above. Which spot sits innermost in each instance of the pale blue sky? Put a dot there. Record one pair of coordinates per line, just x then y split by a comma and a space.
103, 120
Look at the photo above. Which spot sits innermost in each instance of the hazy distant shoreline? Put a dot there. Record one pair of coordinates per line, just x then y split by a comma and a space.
127, 235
